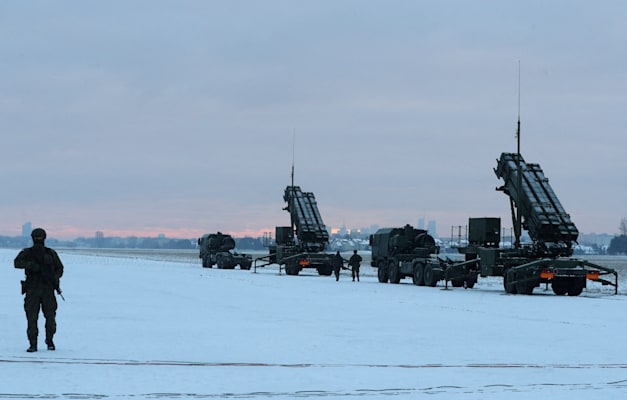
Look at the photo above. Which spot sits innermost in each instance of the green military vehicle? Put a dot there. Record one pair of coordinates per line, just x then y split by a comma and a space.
399, 253
215, 249
301, 245
547, 260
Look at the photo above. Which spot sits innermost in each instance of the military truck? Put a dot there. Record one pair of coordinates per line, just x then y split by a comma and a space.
399, 253
215, 249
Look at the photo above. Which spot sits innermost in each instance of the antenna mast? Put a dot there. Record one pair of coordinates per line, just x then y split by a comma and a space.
518, 127
293, 151
518, 221
292, 187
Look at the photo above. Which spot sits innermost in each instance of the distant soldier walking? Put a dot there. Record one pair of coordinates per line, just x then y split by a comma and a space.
43, 269
355, 263
337, 263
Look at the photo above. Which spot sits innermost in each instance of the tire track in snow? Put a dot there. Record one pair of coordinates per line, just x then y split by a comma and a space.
490, 390
97, 361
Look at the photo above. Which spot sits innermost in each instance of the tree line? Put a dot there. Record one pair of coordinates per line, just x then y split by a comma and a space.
131, 242
618, 245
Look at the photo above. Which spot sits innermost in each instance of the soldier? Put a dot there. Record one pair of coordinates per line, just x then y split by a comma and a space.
43, 269
355, 262
337, 263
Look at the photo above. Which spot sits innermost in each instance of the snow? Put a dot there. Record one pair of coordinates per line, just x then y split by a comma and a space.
141, 328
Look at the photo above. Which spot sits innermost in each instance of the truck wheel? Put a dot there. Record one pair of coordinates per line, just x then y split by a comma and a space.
524, 287
471, 279
230, 261
206, 263
457, 282
560, 286
575, 286
419, 274
429, 276
509, 279
291, 270
382, 272
245, 264
325, 270
395, 273
226, 262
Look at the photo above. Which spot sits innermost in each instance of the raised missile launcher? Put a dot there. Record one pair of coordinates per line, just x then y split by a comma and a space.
302, 244
547, 260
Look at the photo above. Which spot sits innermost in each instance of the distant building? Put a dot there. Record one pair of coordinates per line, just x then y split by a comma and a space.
421, 223
342, 231
597, 239
99, 242
363, 231
27, 228
431, 228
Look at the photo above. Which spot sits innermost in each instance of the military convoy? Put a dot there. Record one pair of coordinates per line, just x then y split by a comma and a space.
215, 249
403, 252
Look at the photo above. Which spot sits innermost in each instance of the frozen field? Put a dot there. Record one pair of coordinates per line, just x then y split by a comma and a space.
158, 325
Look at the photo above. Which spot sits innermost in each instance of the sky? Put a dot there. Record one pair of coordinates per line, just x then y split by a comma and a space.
133, 328
184, 117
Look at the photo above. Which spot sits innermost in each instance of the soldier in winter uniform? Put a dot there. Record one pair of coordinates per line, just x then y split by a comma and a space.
43, 270
355, 262
337, 263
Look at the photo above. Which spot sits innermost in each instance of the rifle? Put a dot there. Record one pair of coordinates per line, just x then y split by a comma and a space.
59, 292
49, 276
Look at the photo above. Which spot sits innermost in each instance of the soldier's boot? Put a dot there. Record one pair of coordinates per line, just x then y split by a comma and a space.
50, 344
33, 347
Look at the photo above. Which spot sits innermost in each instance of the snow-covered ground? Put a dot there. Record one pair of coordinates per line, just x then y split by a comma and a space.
139, 328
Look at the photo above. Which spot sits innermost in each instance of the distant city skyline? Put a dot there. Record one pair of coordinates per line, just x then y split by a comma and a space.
452, 232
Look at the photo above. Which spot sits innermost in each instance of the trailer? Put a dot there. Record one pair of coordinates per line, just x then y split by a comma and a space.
536, 208
548, 259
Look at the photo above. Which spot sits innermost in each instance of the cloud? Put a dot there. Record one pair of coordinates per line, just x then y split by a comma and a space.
149, 115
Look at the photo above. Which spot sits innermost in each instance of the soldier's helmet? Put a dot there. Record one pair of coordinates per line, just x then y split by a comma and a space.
38, 233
